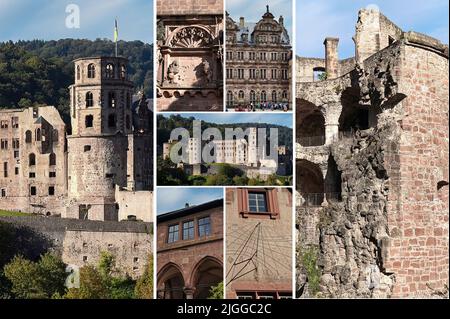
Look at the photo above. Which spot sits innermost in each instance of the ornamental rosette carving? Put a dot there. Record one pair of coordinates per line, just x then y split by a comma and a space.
191, 37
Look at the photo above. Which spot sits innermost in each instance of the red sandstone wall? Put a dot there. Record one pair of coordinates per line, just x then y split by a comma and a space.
418, 210
187, 254
186, 7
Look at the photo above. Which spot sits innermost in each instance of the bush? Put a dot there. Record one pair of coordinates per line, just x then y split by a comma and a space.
216, 292
313, 273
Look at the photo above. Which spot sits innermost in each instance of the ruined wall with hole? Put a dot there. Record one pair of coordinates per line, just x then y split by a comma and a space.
387, 234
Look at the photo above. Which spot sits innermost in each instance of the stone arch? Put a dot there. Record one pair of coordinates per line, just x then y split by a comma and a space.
310, 124
171, 282
38, 134
208, 272
310, 183
110, 71
91, 71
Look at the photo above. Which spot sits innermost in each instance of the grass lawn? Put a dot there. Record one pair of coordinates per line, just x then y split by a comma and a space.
6, 213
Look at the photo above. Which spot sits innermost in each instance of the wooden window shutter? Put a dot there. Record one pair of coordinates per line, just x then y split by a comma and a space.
273, 203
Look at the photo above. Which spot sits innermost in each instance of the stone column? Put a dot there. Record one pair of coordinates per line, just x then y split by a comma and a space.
331, 115
189, 292
331, 57
331, 132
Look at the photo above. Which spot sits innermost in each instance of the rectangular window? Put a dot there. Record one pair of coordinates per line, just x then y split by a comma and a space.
52, 174
240, 73
16, 154
15, 122
188, 230
83, 212
3, 192
245, 295
15, 143
229, 73
267, 295
257, 202
32, 175
4, 144
4, 124
33, 191
51, 190
204, 227
173, 233
5, 169
16, 170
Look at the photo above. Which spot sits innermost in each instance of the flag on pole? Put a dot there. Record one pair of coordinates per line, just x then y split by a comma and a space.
116, 32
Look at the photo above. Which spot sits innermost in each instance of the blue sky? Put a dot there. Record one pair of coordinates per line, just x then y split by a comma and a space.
317, 19
284, 119
45, 19
173, 198
252, 10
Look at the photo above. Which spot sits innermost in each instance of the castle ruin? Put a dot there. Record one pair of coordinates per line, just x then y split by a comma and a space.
372, 164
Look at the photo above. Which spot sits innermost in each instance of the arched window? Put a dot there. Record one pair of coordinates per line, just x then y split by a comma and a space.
112, 120
123, 72
285, 95
28, 136
252, 96
263, 96
78, 72
229, 98
241, 95
274, 96
38, 134
89, 121
112, 99
89, 99
127, 122
32, 159
52, 159
109, 71
91, 71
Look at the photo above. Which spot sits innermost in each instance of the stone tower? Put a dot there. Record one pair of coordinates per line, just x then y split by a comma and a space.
98, 148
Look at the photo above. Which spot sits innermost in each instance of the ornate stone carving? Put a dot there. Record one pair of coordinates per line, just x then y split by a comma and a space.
191, 37
207, 72
172, 72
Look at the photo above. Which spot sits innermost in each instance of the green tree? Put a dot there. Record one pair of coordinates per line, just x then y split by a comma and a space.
102, 282
144, 285
40, 279
92, 285
216, 292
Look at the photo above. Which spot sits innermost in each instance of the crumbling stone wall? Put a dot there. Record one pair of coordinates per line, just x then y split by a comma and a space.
388, 235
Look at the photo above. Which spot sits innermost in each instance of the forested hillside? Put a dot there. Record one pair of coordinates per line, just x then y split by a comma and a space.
39, 72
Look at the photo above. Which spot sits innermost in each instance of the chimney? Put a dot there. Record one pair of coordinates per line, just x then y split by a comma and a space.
186, 205
241, 22
331, 57
281, 21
